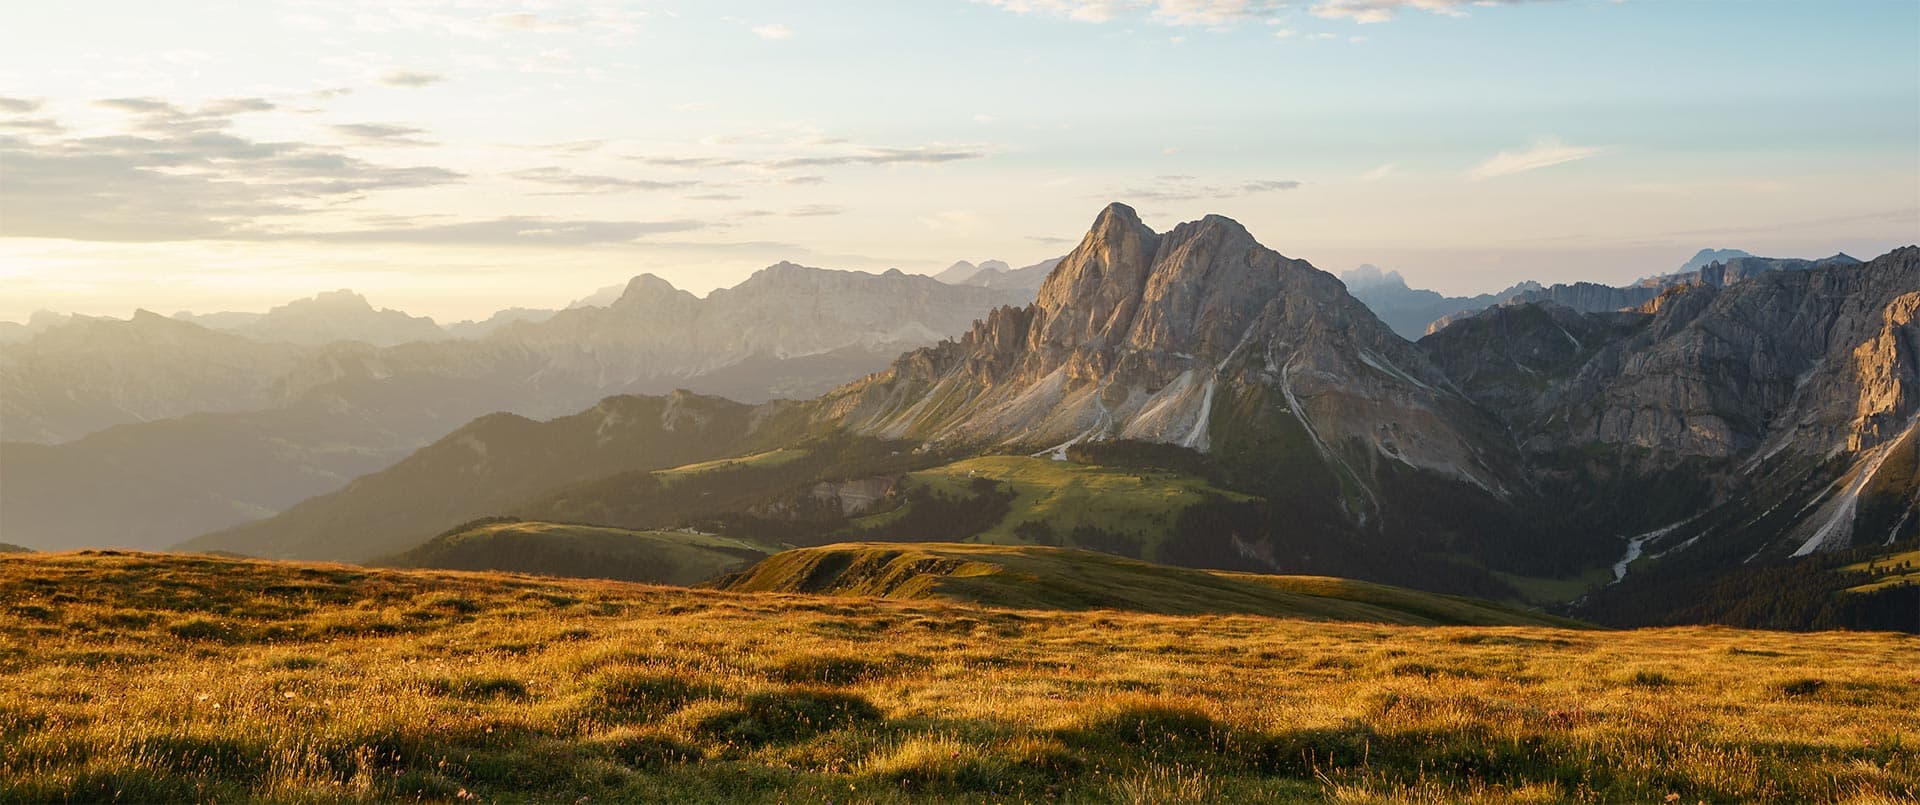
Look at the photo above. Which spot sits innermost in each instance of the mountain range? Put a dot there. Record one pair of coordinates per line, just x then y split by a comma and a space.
997, 274
186, 429
1193, 397
1413, 312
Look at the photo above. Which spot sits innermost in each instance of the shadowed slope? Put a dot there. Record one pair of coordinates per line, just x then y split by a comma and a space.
1052, 578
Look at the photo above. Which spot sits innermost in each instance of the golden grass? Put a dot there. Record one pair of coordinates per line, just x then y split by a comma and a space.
165, 678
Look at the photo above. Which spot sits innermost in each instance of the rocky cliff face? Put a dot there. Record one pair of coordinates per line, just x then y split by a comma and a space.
1782, 391
1146, 336
1590, 297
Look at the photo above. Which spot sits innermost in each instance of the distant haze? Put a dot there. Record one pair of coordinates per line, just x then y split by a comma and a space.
453, 159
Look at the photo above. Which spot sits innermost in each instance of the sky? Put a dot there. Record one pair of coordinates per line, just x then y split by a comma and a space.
454, 157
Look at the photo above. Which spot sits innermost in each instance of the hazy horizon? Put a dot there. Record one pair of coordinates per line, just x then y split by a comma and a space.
453, 159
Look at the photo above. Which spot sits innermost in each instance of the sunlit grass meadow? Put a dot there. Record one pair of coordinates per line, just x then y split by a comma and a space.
142, 677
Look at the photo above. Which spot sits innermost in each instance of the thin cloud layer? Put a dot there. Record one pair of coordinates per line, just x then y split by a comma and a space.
410, 79
1545, 153
1375, 11
1228, 13
181, 174
1188, 188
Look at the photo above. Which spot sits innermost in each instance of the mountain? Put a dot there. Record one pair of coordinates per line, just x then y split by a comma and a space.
1195, 398
996, 274
962, 271
498, 458
1410, 311
1414, 312
1188, 338
1706, 257
601, 297
339, 316
39, 322
1719, 425
89, 373
310, 418
1026, 577
553, 549
476, 329
228, 320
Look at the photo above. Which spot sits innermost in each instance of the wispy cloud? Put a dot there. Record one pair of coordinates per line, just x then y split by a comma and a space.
1545, 153
180, 174
587, 184
381, 134
838, 151
410, 79
772, 31
508, 231
1188, 188
1379, 173
1376, 11
1221, 14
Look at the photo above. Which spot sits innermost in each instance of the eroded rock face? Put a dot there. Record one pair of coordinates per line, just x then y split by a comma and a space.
1887, 370
1139, 335
1761, 387
1820, 360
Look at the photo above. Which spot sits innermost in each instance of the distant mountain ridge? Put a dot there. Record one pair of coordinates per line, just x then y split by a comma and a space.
290, 422
997, 274
1415, 312
325, 318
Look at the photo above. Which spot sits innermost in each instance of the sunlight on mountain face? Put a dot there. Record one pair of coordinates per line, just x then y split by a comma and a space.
1141, 401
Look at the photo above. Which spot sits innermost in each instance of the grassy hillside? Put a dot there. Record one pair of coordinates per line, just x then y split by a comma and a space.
172, 678
1053, 578
1117, 509
494, 461
580, 551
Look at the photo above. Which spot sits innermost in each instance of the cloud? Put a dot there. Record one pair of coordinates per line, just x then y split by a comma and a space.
381, 134
158, 117
805, 211
508, 231
1375, 11
774, 31
1379, 173
714, 197
20, 106
180, 175
842, 152
1222, 14
1182, 13
1543, 154
586, 184
1187, 188
410, 79
878, 156
1083, 10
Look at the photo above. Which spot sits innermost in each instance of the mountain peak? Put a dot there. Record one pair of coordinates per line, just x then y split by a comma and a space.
1368, 275
343, 299
648, 289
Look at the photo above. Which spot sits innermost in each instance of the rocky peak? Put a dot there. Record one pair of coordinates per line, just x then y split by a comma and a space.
340, 301
648, 290
1095, 290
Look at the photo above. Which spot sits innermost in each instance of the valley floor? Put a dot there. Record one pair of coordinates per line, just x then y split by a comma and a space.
146, 677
